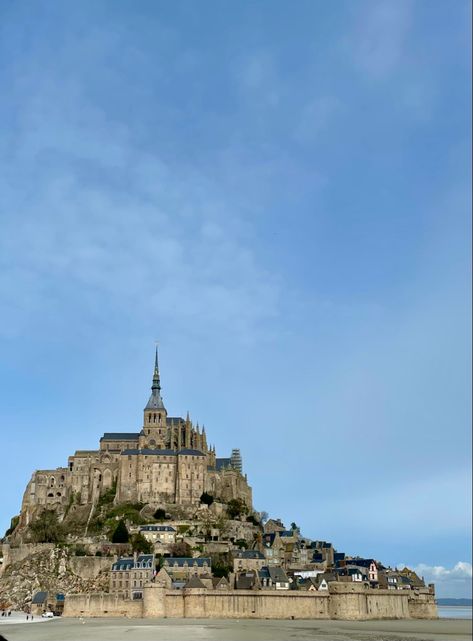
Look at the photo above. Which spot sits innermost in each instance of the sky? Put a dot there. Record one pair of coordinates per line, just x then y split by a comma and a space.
278, 193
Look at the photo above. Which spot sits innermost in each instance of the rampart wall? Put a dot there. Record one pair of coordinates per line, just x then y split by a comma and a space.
344, 602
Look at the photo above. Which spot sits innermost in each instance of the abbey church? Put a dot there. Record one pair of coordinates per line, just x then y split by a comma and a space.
168, 462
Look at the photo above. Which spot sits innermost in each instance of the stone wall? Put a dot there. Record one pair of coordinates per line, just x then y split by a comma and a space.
15, 554
342, 602
88, 567
101, 605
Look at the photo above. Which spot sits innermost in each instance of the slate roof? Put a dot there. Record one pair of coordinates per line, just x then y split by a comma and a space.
220, 463
248, 554
185, 561
245, 581
144, 561
277, 574
156, 528
187, 452
194, 582
40, 598
120, 436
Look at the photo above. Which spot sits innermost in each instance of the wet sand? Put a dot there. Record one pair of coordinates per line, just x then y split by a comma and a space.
233, 630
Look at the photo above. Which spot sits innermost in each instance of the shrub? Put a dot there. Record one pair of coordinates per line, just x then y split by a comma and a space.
242, 544
80, 550
206, 499
98, 553
140, 544
13, 523
160, 514
181, 549
252, 519
46, 528
236, 507
120, 534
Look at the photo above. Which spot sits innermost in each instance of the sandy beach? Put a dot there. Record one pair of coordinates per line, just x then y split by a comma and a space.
233, 630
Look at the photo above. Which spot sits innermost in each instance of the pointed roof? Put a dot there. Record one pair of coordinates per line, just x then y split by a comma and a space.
194, 582
155, 401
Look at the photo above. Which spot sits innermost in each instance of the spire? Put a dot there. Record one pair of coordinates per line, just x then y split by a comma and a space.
155, 400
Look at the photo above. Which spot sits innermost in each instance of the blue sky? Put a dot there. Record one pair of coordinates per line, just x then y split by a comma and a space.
280, 194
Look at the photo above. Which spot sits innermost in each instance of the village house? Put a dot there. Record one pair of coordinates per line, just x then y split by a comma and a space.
186, 567
164, 534
273, 578
129, 574
248, 560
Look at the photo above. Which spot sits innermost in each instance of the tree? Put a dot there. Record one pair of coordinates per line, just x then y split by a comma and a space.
294, 527
236, 507
207, 499
221, 564
46, 528
140, 544
181, 549
160, 514
120, 533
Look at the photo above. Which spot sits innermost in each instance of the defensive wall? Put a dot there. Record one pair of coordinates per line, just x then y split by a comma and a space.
341, 602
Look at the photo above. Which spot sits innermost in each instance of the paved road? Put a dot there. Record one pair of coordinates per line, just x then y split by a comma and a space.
234, 630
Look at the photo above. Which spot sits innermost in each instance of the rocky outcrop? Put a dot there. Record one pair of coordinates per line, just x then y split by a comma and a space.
53, 570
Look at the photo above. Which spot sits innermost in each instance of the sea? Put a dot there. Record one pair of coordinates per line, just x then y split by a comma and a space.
454, 611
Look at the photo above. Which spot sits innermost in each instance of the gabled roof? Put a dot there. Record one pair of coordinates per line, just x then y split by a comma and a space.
277, 574
194, 582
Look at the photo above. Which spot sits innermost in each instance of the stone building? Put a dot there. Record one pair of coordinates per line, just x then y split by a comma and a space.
169, 461
129, 574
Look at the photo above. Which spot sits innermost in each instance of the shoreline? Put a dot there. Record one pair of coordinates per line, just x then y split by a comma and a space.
124, 629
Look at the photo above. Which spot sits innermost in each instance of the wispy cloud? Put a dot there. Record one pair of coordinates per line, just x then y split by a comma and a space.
454, 582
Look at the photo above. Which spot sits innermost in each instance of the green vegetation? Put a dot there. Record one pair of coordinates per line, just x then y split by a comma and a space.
242, 544
236, 508
13, 523
46, 528
140, 544
120, 534
221, 564
182, 529
80, 550
206, 499
160, 514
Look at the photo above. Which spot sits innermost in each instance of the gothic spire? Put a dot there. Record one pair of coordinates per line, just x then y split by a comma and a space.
155, 400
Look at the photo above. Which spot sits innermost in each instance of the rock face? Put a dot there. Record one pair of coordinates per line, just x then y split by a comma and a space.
53, 570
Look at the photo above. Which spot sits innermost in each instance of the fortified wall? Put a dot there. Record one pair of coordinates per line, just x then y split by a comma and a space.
341, 602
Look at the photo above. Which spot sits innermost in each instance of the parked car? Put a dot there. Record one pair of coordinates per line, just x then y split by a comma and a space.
48, 615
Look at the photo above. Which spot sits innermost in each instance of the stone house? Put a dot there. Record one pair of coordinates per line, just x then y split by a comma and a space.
273, 578
186, 567
130, 574
164, 534
248, 560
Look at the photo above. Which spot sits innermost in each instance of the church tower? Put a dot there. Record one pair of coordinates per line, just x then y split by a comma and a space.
153, 434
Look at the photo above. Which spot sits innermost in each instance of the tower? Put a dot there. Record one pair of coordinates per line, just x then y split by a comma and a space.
153, 434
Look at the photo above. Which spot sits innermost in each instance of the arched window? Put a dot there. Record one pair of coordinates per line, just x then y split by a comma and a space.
58, 494
50, 495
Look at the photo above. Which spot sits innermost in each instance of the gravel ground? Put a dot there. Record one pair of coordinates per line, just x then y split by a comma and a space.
234, 630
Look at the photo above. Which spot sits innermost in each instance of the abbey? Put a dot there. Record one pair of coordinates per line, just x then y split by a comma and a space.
168, 462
